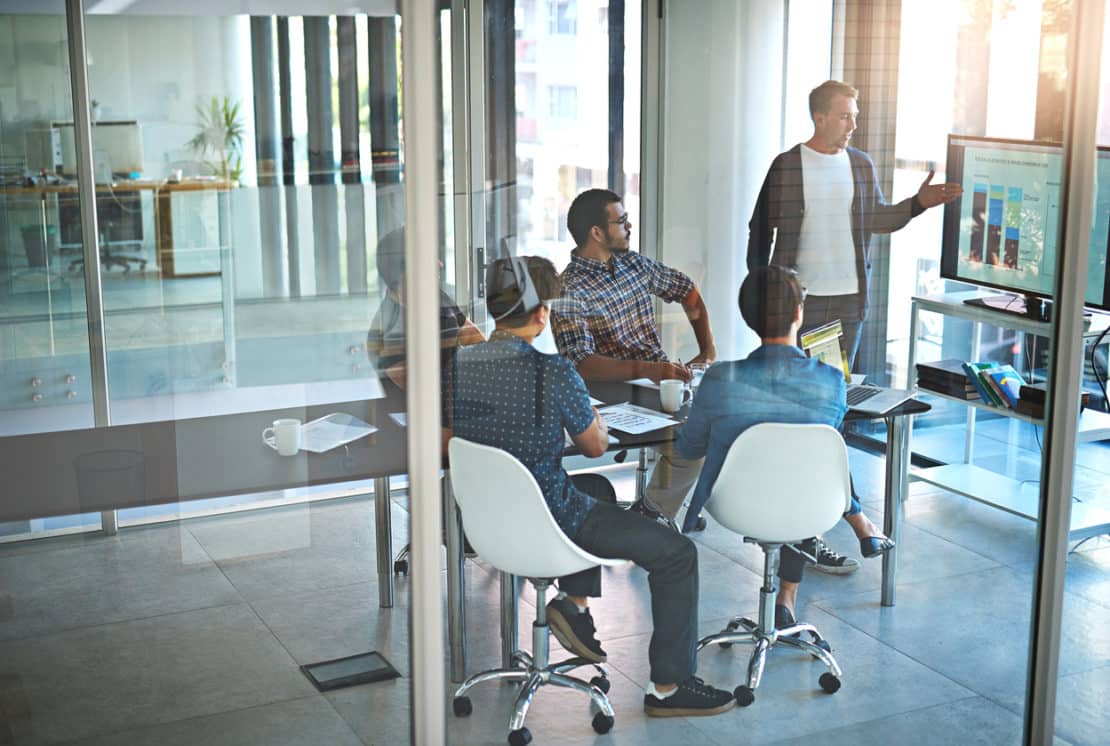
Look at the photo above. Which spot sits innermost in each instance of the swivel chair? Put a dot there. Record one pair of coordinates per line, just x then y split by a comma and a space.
510, 526
779, 484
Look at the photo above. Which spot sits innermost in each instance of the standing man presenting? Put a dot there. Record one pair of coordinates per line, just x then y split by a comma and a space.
819, 206
605, 324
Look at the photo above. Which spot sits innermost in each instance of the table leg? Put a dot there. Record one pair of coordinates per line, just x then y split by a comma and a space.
897, 463
508, 619
456, 584
383, 526
641, 474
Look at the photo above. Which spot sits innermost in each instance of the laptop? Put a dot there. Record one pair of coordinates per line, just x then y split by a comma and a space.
826, 343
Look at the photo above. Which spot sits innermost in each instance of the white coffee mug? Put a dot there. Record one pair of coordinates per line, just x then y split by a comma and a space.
284, 436
672, 394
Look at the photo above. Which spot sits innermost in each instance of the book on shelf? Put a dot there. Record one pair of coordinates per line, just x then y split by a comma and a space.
946, 377
975, 372
1034, 395
1007, 382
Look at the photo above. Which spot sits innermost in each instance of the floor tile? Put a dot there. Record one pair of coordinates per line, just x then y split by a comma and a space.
307, 551
1081, 713
115, 677
877, 681
96, 582
969, 722
975, 630
983, 529
311, 720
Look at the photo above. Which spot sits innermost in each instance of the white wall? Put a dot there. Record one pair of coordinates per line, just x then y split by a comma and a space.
152, 69
722, 109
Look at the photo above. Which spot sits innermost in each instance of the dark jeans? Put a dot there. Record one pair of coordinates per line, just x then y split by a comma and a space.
671, 561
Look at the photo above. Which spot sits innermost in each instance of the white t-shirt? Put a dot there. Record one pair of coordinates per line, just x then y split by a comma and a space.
826, 253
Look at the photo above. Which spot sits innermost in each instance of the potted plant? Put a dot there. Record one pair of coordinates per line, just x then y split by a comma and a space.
221, 134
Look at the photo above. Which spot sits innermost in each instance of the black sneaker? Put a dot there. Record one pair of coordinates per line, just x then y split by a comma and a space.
693, 698
821, 558
574, 629
641, 507
785, 618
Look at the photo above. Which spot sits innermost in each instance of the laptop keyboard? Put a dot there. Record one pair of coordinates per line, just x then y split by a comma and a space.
860, 394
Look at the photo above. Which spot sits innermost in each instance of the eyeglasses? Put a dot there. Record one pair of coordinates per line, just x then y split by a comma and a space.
622, 220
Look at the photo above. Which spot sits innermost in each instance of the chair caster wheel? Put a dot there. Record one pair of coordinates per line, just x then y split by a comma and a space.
520, 737
462, 706
601, 683
744, 695
602, 723
829, 683
401, 567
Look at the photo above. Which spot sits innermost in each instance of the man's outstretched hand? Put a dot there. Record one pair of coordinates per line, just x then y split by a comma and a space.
931, 195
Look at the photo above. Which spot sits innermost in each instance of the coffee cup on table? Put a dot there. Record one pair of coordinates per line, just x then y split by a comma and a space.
284, 436
672, 394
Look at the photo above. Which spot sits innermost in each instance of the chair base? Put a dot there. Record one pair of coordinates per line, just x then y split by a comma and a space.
535, 672
765, 636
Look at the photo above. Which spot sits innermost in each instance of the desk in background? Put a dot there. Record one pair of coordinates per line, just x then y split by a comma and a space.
186, 247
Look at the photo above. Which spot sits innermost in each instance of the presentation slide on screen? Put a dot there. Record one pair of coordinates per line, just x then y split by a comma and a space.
1010, 215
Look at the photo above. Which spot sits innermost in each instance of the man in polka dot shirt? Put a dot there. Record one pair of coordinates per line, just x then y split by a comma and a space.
511, 396
605, 324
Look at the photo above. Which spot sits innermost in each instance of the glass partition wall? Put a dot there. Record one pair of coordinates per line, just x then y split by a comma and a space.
964, 620
248, 177
246, 174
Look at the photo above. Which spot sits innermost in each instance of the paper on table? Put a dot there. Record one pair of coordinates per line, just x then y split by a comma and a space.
401, 418
628, 418
568, 442
647, 383
595, 402
333, 430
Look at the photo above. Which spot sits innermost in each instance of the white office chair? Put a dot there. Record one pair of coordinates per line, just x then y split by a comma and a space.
780, 484
510, 526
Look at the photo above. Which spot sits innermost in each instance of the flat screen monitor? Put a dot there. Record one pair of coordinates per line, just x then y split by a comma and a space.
1003, 232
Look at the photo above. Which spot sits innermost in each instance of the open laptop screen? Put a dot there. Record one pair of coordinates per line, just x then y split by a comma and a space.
826, 343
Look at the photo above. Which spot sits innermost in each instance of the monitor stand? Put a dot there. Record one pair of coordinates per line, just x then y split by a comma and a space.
1030, 306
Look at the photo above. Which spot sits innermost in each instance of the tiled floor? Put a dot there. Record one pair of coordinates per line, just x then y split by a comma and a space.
193, 632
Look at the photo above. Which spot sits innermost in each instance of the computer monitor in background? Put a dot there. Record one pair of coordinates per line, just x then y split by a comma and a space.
1003, 232
119, 144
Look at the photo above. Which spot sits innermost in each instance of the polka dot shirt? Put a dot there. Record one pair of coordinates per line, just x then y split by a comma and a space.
511, 396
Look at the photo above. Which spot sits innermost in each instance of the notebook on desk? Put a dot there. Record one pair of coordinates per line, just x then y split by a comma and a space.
826, 343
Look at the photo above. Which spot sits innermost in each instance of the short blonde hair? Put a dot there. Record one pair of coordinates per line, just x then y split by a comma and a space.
820, 98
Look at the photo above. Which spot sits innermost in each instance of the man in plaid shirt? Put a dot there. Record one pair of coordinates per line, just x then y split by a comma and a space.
606, 323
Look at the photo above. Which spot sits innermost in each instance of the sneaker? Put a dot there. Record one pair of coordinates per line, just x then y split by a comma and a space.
693, 698
574, 629
821, 558
641, 506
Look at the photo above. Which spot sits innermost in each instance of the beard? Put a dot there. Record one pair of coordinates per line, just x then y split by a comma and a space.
620, 247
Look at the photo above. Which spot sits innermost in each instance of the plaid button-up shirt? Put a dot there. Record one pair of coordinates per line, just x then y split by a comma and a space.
607, 307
